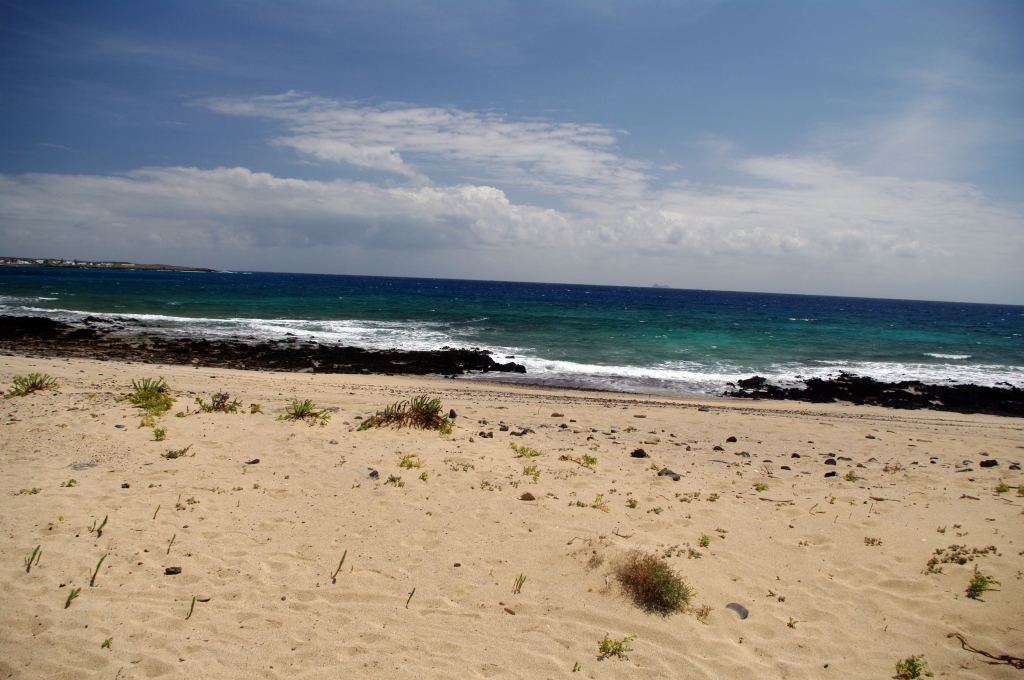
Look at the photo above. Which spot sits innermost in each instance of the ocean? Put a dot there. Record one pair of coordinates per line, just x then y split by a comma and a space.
644, 340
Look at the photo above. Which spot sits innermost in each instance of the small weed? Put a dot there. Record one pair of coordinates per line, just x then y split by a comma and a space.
36, 554
171, 455
457, 467
792, 622
518, 585
409, 461
306, 410
159, 434
219, 404
33, 383
524, 451
912, 667
609, 647
655, 467
254, 408
29, 492
599, 503
1001, 487
191, 608
255, 486
872, 541
761, 487
702, 613
831, 500
957, 554
704, 541
71, 595
157, 510
589, 461
69, 483
95, 573
334, 576
892, 468
652, 583
656, 511
147, 421
171, 543
632, 503
850, 476
713, 497
692, 554
424, 475
106, 643
531, 471
411, 593
395, 481
979, 584
192, 501
98, 529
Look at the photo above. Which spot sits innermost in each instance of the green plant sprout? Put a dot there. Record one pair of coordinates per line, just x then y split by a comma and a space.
632, 503
524, 451
704, 541
409, 461
171, 455
912, 667
334, 576
106, 643
171, 543
1001, 487
151, 396
189, 616
518, 585
69, 483
219, 404
589, 461
159, 434
95, 573
33, 383
424, 475
71, 595
157, 510
410, 598
792, 622
759, 486
36, 554
531, 471
979, 584
98, 529
850, 476
609, 647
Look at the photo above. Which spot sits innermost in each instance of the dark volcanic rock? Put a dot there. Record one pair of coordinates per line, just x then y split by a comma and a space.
638, 453
665, 472
40, 336
908, 394
989, 463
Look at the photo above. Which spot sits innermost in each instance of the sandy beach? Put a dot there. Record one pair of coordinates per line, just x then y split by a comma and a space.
834, 572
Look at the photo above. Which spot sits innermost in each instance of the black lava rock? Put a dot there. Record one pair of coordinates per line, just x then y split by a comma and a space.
830, 461
989, 463
172, 571
831, 474
731, 440
665, 472
639, 453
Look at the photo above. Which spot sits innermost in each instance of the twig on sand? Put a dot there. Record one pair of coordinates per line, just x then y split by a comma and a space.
616, 532
1015, 661
574, 538
772, 500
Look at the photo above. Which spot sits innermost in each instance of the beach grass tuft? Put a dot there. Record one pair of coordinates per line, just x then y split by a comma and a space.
518, 585
652, 583
159, 434
334, 576
306, 410
150, 395
71, 595
192, 607
526, 451
219, 404
979, 584
36, 554
96, 571
22, 386
106, 643
171, 455
423, 412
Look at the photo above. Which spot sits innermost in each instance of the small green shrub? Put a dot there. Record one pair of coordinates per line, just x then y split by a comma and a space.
106, 643
69, 483
29, 492
632, 503
761, 487
704, 541
33, 383
713, 497
524, 451
979, 584
159, 434
409, 461
609, 647
652, 583
151, 396
589, 461
254, 408
1001, 487
850, 476
792, 622
424, 475
531, 471
71, 595
394, 481
36, 555
912, 667
306, 410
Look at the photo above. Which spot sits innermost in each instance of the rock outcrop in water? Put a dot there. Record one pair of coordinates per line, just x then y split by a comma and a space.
129, 341
908, 394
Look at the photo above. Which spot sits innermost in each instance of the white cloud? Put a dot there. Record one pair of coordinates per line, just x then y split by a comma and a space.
567, 159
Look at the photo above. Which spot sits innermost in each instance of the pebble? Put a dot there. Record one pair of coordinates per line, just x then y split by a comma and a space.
831, 474
126, 485
557, 415
830, 461
665, 472
731, 440
739, 609
989, 463
172, 571
527, 497
639, 453
795, 455
333, 441
254, 461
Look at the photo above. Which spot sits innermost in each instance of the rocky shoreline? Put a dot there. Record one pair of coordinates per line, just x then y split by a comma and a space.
105, 339
88, 264
908, 394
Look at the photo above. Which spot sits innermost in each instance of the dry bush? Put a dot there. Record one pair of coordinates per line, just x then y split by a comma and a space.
652, 584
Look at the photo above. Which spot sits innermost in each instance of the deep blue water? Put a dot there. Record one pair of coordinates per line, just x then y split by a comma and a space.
634, 339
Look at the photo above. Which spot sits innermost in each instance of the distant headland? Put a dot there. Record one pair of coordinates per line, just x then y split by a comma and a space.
86, 264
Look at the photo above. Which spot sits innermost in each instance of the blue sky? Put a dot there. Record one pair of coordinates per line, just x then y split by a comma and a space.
845, 148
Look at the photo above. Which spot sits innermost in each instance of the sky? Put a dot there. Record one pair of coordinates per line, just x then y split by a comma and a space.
836, 148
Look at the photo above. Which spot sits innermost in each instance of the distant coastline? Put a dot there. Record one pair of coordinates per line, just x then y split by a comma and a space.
87, 264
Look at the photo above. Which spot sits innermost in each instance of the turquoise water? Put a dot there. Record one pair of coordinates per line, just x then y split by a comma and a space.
631, 339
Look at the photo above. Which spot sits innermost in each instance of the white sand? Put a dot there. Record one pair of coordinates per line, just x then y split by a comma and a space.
261, 541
